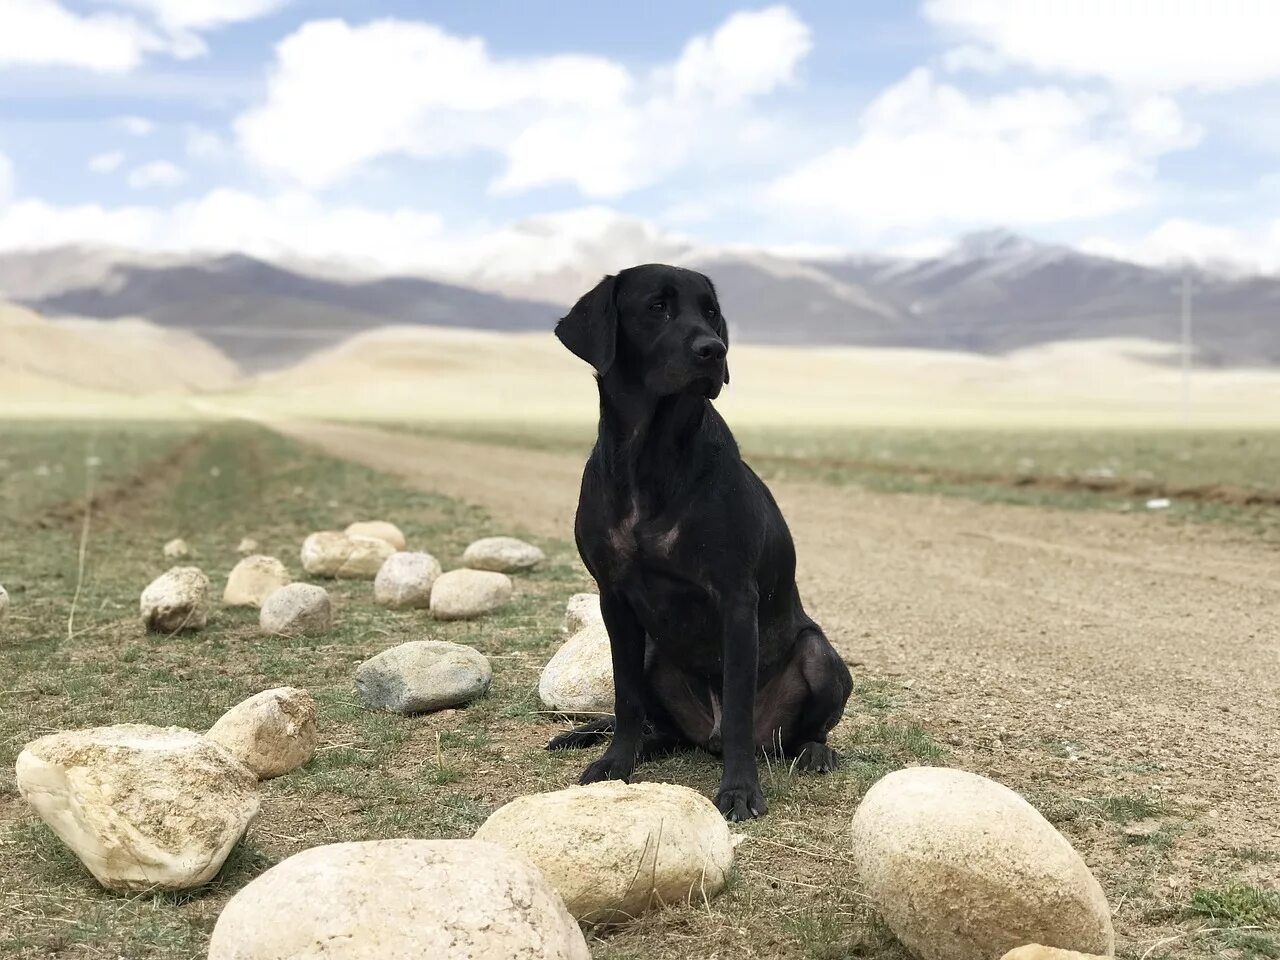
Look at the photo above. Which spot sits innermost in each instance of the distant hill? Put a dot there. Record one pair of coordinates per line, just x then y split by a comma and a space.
991, 293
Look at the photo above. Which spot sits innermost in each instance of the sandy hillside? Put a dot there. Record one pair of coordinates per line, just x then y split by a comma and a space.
434, 373
73, 362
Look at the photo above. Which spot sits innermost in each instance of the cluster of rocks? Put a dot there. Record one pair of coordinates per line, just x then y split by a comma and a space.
160, 808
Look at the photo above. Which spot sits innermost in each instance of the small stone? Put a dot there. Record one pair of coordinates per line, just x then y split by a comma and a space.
176, 600
176, 550
405, 580
247, 547
379, 530
143, 807
254, 579
298, 610
1034, 951
614, 850
581, 610
962, 868
578, 680
462, 594
399, 899
332, 554
423, 675
271, 733
4, 603
502, 554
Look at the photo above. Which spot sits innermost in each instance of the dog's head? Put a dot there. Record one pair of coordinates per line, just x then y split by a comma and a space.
656, 325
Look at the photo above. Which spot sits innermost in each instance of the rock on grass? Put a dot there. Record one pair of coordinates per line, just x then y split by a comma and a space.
581, 610
614, 850
333, 554
254, 579
142, 807
385, 899
405, 581
379, 530
962, 868
502, 554
4, 603
176, 600
463, 594
578, 680
176, 549
298, 610
423, 675
271, 733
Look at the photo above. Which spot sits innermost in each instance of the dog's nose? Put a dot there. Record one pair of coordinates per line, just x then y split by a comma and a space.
707, 349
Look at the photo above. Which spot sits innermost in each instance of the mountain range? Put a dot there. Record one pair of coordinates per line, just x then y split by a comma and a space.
991, 292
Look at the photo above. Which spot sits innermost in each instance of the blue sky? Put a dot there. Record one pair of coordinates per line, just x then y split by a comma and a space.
431, 135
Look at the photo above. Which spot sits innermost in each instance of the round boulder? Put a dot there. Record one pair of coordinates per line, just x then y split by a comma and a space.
405, 580
462, 594
1034, 951
297, 610
379, 530
614, 850
332, 554
502, 554
254, 579
578, 680
391, 899
142, 807
176, 600
581, 610
271, 733
176, 549
423, 675
962, 868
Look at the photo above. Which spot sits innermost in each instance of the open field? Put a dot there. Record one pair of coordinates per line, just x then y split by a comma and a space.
1119, 670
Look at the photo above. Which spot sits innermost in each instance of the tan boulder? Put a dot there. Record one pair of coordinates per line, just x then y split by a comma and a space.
502, 554
583, 609
176, 600
254, 579
296, 610
142, 807
247, 547
271, 733
614, 850
405, 581
398, 900
379, 530
462, 594
962, 868
176, 549
578, 679
332, 554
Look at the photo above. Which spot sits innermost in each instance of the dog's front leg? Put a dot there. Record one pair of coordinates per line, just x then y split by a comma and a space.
740, 797
626, 644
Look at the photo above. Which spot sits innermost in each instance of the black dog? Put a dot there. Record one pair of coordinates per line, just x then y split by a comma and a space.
696, 568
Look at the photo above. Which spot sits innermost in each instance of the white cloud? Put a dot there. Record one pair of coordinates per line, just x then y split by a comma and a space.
1174, 45
1179, 240
202, 144
106, 162
929, 154
203, 14
157, 173
137, 126
412, 89
6, 179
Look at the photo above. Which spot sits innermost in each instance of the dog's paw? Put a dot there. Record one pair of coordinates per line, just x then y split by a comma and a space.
817, 758
741, 803
574, 740
608, 768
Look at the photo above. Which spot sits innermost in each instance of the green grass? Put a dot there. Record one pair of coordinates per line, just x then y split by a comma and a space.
1238, 905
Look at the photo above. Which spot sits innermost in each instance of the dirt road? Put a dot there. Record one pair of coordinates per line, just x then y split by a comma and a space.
1078, 654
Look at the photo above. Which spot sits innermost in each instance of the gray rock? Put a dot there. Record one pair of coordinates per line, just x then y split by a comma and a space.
423, 675
502, 554
296, 610
405, 580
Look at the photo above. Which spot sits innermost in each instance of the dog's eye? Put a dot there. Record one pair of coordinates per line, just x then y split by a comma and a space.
658, 306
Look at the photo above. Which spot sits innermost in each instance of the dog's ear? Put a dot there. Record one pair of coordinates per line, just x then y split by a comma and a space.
722, 325
590, 329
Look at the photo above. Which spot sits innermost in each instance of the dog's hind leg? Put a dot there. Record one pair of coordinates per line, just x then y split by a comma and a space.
804, 701
587, 735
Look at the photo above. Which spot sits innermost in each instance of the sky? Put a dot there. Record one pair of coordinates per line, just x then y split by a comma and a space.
433, 135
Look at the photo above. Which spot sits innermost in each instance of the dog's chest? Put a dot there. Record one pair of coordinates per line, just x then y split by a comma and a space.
631, 539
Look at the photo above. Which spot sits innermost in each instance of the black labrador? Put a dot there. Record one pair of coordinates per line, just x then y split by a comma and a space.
711, 646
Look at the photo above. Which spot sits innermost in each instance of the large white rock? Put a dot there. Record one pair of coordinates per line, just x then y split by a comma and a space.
332, 554
405, 580
176, 600
298, 610
379, 530
462, 594
271, 733
143, 807
254, 579
502, 554
581, 610
613, 849
176, 549
4, 603
423, 675
578, 679
398, 900
962, 868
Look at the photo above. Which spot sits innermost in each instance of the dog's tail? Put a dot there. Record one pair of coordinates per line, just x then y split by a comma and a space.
587, 735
